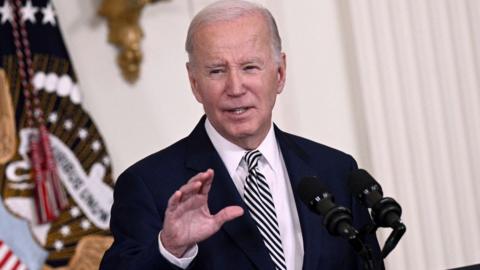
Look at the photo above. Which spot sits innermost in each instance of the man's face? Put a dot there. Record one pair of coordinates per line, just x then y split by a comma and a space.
234, 75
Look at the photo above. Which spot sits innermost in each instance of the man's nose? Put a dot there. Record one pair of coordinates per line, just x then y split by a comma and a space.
235, 86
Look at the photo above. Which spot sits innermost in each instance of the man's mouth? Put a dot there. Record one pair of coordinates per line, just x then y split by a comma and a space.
239, 110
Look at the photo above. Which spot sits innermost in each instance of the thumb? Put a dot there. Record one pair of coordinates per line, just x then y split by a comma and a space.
228, 213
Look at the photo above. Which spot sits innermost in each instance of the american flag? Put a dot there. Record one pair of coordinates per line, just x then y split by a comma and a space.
8, 260
78, 143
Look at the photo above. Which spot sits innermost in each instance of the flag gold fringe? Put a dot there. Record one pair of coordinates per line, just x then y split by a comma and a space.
8, 140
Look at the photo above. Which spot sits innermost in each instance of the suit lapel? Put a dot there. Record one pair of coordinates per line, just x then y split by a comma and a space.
200, 156
296, 161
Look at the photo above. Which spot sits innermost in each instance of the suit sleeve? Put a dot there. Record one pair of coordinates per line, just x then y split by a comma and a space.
135, 224
361, 218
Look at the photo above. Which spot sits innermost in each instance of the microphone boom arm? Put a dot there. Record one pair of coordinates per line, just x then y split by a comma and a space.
398, 230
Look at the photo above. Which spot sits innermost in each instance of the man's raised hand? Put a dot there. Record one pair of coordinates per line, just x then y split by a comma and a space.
188, 219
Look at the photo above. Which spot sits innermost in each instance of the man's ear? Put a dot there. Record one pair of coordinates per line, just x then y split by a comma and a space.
281, 73
193, 81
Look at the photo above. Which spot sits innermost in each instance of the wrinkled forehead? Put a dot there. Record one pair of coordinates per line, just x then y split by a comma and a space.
246, 31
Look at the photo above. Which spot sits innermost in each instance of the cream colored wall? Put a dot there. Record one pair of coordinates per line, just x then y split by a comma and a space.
159, 109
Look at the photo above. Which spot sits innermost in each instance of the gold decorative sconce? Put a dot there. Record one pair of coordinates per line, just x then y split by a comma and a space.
125, 32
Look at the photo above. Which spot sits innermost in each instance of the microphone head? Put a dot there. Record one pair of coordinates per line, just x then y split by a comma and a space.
310, 188
360, 181
386, 212
336, 219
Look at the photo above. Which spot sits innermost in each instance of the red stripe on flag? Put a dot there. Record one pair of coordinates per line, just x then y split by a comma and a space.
8, 260
16, 266
5, 258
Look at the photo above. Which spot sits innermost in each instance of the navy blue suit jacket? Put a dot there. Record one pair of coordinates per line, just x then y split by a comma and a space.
142, 191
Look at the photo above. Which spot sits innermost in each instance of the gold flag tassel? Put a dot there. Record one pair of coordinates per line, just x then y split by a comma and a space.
8, 140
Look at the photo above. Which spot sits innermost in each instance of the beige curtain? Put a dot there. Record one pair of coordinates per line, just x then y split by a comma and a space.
416, 70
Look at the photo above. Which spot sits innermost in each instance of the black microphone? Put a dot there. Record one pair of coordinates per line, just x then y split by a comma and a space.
337, 219
386, 212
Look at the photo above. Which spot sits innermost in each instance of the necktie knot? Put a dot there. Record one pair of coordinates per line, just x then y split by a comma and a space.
251, 158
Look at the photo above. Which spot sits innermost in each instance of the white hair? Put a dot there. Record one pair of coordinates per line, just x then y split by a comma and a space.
228, 10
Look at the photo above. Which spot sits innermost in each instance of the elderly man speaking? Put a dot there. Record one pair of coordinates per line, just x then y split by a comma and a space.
225, 196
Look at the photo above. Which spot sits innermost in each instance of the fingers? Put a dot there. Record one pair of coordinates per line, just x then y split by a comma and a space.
190, 188
200, 183
174, 201
228, 213
194, 203
197, 184
202, 176
208, 183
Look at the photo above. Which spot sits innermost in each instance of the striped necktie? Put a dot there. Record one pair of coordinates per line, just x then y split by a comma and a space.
260, 204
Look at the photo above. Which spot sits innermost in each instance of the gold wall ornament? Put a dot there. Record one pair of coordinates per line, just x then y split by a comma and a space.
8, 139
89, 252
125, 32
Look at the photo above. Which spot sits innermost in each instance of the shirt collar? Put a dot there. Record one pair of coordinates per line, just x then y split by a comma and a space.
231, 154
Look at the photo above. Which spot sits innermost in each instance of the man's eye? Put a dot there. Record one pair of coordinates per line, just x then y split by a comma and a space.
216, 71
250, 68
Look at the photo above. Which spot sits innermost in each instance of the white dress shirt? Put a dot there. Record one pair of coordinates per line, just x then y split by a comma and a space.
272, 166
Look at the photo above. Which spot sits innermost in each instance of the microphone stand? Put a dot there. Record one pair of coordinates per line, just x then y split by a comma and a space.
336, 218
392, 240
398, 231
386, 213
364, 252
